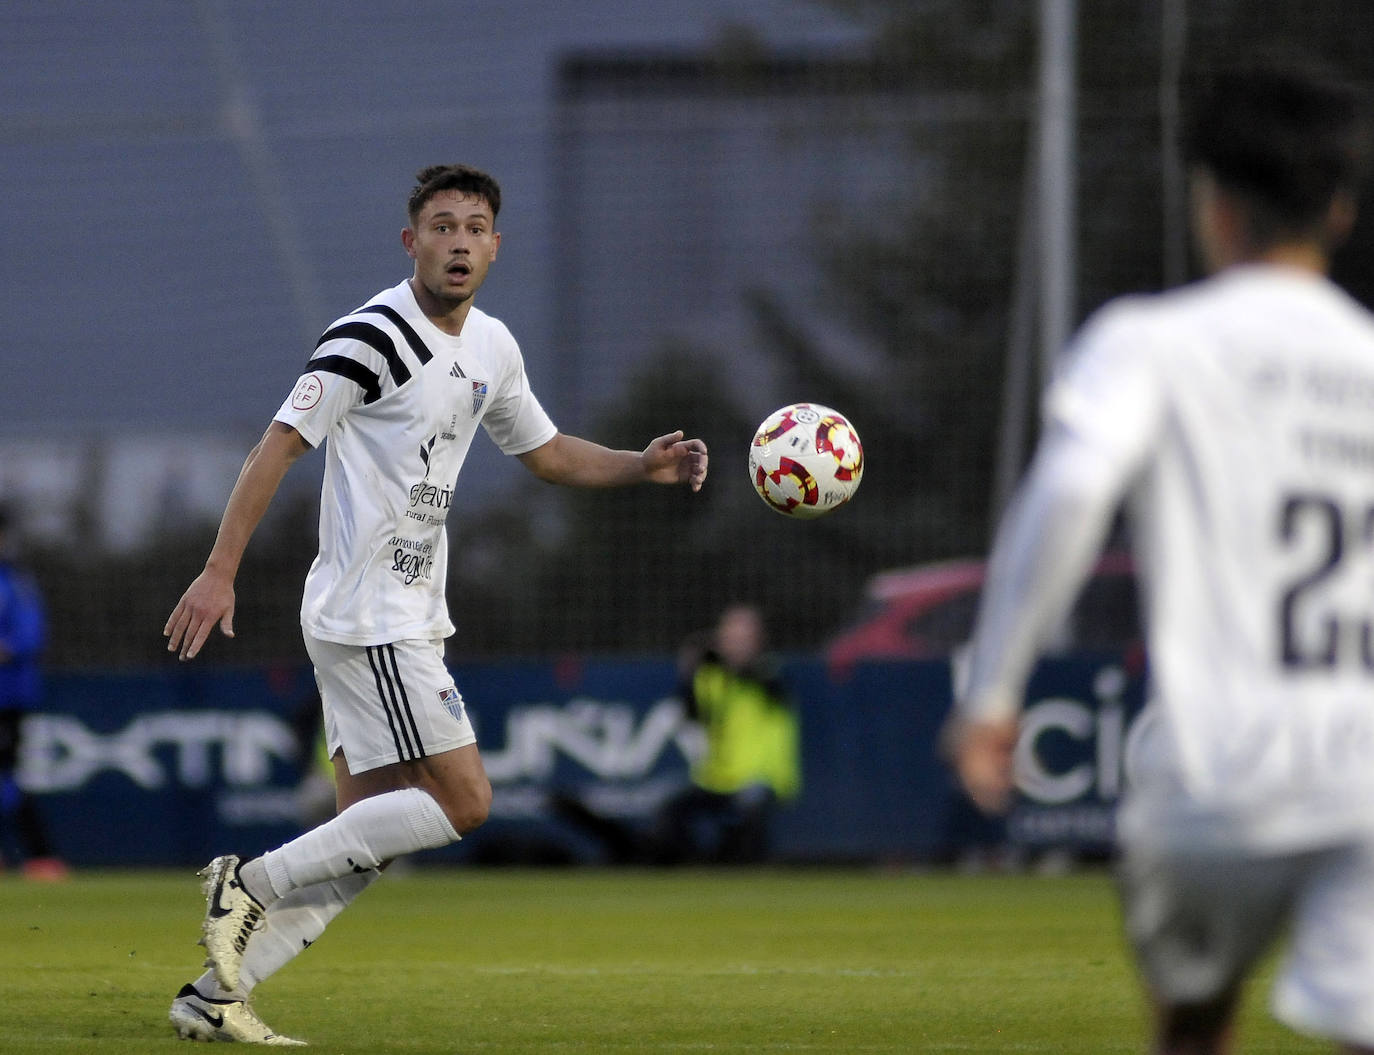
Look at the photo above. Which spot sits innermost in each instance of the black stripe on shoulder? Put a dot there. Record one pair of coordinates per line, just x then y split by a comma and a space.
375, 338
342, 365
417, 346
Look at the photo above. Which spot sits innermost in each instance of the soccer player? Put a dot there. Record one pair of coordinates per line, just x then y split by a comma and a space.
398, 388
1236, 417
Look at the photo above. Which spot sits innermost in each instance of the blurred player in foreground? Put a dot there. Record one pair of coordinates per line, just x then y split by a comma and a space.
1236, 416
398, 388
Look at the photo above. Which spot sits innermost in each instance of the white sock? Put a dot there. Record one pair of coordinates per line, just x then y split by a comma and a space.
362, 837
292, 924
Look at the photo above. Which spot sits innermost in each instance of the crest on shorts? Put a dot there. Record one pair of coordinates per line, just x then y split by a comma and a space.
452, 701
479, 396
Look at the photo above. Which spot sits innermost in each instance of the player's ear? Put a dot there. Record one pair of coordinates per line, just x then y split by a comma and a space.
495, 243
408, 240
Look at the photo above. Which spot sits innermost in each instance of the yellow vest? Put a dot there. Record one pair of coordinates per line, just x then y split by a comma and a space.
751, 737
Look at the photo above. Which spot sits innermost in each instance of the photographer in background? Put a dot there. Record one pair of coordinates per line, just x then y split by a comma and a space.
751, 759
748, 764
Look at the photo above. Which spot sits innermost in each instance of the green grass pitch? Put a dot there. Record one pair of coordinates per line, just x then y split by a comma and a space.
583, 961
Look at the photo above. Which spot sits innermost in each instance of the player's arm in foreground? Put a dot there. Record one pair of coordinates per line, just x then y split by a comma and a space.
1042, 555
577, 462
209, 600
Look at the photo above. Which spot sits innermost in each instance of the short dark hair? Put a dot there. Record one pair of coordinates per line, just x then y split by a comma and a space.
1284, 133
469, 181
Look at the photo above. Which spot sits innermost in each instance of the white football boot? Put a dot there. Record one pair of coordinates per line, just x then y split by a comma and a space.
231, 916
199, 1017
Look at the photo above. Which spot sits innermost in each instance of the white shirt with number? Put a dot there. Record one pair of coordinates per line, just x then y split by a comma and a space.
1236, 416
399, 402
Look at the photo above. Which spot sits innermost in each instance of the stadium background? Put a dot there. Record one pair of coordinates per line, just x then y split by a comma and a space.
709, 212
894, 209
711, 209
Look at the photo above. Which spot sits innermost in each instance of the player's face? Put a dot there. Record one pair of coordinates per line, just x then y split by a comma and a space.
453, 242
739, 636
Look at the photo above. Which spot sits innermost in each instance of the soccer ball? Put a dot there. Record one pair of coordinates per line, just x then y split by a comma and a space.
806, 460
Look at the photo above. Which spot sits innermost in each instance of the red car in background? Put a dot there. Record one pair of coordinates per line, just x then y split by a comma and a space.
927, 612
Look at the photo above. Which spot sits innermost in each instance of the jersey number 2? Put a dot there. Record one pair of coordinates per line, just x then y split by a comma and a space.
1300, 515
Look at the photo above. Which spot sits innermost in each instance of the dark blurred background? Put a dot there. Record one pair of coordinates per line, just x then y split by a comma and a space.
711, 209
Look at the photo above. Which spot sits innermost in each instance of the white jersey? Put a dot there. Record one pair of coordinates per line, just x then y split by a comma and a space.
1237, 417
399, 401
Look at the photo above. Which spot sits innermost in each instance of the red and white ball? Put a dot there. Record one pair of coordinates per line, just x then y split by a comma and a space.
806, 460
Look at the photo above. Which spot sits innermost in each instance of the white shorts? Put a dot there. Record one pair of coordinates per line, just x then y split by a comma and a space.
1199, 922
388, 703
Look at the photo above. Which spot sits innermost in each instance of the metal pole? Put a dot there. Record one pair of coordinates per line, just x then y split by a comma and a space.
1019, 387
1058, 105
1173, 38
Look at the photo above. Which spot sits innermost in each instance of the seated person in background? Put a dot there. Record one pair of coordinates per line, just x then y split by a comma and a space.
748, 765
751, 762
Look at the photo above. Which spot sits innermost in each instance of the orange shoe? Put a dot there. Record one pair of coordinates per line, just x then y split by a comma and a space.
46, 869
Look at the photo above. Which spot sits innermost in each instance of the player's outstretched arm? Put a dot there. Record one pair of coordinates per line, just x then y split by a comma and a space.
209, 600
577, 462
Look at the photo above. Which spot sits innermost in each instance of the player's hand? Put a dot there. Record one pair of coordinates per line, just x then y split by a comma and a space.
671, 459
207, 601
982, 756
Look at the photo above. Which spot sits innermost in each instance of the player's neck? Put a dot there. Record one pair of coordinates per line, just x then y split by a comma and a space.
448, 316
1232, 247
1294, 256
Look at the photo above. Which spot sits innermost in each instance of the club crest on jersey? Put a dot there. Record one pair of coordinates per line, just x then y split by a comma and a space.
479, 396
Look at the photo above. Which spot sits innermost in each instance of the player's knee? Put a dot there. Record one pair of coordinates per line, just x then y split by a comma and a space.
469, 809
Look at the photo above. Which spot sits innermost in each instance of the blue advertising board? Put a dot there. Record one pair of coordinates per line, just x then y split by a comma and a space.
172, 767
1070, 758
